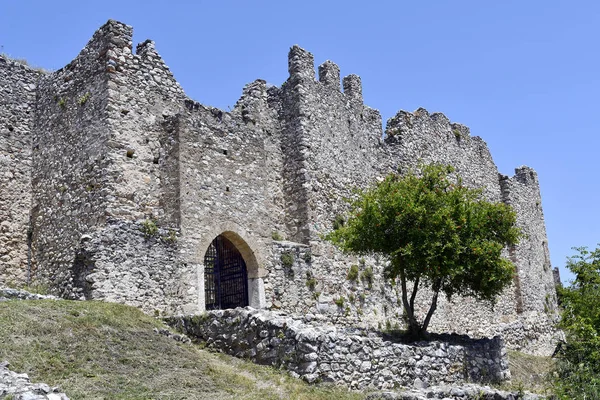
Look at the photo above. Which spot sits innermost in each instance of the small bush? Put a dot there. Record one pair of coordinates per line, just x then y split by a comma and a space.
456, 133
62, 103
276, 236
171, 237
311, 282
287, 259
83, 99
149, 228
340, 301
353, 273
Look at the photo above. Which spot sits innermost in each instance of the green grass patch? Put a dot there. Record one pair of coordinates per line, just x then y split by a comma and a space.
96, 350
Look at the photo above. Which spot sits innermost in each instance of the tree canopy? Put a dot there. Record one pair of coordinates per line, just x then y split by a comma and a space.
578, 366
436, 232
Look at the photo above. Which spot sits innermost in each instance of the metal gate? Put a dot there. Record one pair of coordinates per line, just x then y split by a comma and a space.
225, 276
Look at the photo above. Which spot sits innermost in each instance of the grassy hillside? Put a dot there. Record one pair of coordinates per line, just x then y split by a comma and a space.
96, 350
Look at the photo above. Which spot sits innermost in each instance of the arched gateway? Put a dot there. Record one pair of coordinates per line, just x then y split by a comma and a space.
225, 276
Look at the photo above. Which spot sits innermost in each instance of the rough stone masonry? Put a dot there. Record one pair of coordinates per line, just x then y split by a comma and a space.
115, 185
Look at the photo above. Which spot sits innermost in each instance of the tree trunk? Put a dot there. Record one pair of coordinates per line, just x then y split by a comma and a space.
413, 324
432, 307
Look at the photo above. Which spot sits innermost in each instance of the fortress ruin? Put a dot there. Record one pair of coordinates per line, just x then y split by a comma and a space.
115, 185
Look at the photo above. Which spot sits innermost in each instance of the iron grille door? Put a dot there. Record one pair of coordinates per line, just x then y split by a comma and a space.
225, 276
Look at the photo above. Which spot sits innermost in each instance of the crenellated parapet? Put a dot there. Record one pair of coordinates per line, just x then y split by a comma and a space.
301, 64
353, 88
329, 75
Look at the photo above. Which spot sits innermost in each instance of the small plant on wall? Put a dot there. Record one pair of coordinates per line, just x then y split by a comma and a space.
353, 273
367, 277
311, 281
276, 236
83, 99
307, 256
287, 259
149, 228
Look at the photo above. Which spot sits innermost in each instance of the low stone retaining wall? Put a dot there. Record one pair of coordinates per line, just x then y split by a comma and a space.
355, 358
19, 294
463, 392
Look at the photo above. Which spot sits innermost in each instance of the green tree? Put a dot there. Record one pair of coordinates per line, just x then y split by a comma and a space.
437, 233
578, 364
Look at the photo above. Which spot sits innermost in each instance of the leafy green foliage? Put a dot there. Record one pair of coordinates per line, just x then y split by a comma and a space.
338, 222
578, 367
436, 232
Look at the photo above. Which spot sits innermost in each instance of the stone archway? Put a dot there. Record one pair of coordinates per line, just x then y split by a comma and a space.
230, 275
225, 276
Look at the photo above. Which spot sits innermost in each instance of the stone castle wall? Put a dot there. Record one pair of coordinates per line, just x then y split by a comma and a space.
118, 147
17, 111
69, 145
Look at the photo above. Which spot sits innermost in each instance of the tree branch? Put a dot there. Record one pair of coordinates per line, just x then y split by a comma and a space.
432, 308
414, 293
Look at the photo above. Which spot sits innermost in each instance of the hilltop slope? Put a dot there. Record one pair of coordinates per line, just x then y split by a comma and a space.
96, 350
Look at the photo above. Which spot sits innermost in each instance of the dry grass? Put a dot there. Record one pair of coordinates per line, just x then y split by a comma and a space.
529, 372
96, 350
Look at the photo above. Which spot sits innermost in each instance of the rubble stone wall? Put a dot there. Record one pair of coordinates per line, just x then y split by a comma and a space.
18, 84
70, 157
349, 357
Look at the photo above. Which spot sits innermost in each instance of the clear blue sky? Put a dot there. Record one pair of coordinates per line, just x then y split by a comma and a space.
523, 75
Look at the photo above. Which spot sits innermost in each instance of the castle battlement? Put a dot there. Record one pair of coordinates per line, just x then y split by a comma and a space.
115, 185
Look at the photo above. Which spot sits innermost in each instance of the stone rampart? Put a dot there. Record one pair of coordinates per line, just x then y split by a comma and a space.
354, 358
